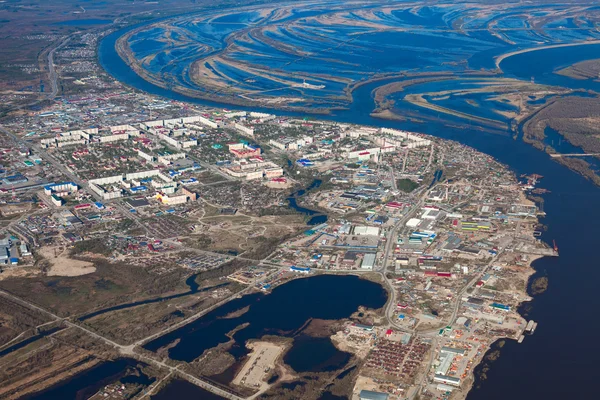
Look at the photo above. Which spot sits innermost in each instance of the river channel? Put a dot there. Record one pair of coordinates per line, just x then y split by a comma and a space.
313, 217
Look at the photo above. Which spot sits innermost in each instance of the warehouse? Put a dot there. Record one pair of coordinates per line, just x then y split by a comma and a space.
366, 230
449, 380
370, 395
368, 261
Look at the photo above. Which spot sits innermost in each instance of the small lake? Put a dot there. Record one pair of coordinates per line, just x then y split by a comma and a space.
86, 383
181, 389
310, 354
282, 312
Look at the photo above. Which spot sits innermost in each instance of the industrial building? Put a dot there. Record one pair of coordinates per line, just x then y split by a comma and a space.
371, 395
368, 261
448, 380
366, 230
301, 270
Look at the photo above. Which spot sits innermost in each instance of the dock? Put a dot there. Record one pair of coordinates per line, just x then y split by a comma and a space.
530, 328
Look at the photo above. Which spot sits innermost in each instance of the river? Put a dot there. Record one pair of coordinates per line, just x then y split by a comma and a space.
314, 217
564, 346
191, 282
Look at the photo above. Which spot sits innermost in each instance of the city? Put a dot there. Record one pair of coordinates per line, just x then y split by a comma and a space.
225, 197
319, 200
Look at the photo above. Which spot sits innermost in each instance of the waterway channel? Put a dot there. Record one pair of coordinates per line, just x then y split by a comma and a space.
313, 217
85, 384
191, 282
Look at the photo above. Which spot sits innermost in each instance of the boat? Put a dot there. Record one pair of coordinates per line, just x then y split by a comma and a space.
530, 328
521, 339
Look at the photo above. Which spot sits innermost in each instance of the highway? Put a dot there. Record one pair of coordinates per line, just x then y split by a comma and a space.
52, 75
388, 252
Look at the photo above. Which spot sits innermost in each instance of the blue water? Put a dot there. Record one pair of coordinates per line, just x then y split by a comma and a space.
27, 341
84, 384
182, 389
324, 357
559, 361
282, 312
191, 281
316, 217
558, 143
542, 64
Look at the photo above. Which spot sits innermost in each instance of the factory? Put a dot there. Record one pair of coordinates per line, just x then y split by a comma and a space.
368, 261
371, 395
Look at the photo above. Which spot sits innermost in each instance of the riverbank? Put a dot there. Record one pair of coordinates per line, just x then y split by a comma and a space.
503, 57
488, 351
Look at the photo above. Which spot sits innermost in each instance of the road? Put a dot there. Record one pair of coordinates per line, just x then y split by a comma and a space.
128, 351
389, 248
199, 314
52, 75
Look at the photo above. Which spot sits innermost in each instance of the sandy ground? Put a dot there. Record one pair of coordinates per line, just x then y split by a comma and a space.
263, 357
18, 272
62, 265
279, 185
364, 383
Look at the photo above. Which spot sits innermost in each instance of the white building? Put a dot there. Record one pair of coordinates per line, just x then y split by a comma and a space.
360, 230
368, 261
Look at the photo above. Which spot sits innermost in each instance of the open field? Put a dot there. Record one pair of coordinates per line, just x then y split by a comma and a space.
16, 320
62, 265
250, 236
260, 362
134, 323
589, 69
110, 284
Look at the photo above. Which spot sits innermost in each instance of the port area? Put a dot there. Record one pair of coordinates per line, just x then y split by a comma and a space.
261, 361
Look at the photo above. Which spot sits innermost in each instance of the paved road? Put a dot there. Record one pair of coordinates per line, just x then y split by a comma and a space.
52, 75
389, 308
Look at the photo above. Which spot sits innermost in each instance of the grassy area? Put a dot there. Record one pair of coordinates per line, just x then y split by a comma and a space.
406, 185
111, 284
97, 246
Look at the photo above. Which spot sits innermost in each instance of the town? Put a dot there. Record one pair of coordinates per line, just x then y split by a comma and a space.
245, 201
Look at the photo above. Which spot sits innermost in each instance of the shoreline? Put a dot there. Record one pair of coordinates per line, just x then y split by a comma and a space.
473, 379
504, 56
531, 271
